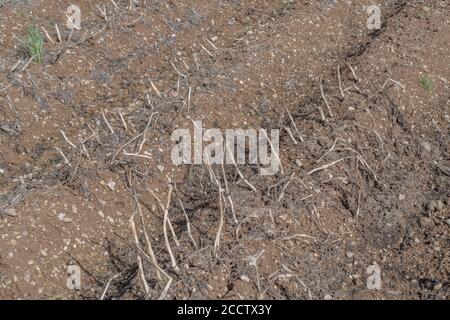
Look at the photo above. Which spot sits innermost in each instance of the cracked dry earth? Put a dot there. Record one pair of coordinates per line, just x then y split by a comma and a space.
85, 141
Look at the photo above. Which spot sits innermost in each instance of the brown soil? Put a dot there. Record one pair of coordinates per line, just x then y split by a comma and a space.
231, 64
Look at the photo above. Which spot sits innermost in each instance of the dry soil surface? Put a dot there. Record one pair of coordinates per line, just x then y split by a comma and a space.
86, 175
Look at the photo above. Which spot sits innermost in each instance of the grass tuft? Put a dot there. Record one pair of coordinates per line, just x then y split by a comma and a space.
426, 83
34, 44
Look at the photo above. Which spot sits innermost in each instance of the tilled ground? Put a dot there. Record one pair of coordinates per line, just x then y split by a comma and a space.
86, 175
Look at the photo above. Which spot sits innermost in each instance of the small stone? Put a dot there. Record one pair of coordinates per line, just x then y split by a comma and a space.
160, 167
440, 205
438, 286
349, 254
112, 185
401, 197
447, 222
213, 39
426, 146
426, 9
431, 206
62, 217
426, 222
245, 278
101, 214
298, 163
328, 297
11, 212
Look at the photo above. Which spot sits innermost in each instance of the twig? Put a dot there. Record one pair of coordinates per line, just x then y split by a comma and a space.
103, 12
237, 168
5, 128
10, 104
299, 235
221, 220
189, 100
107, 123
253, 261
166, 238
169, 282
361, 159
188, 224
151, 253
115, 5
339, 80
107, 285
168, 220
331, 149
325, 98
227, 193
298, 279
154, 88
166, 289
290, 134
178, 71
27, 64
295, 126
185, 64
47, 35
57, 33
123, 121
283, 190
140, 267
373, 130
196, 61
211, 44
132, 23
175, 238
325, 166
60, 151
206, 50
322, 115
274, 151
70, 35
271, 217
67, 140
142, 277
16, 65
353, 73
359, 204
